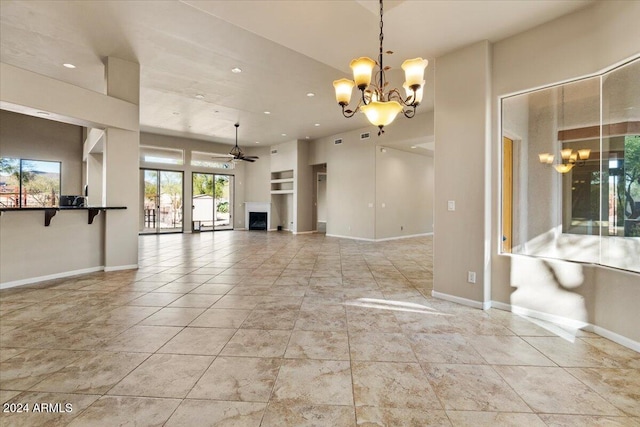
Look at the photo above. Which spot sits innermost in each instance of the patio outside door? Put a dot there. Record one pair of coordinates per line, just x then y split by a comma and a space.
161, 201
212, 202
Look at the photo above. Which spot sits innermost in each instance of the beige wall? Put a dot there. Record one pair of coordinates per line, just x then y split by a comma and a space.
564, 51
257, 187
73, 245
350, 185
573, 46
117, 248
27, 137
304, 190
462, 91
404, 183
352, 209
189, 145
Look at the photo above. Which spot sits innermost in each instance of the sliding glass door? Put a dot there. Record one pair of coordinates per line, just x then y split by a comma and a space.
161, 201
212, 202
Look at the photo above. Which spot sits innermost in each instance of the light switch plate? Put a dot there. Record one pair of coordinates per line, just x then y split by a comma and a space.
451, 205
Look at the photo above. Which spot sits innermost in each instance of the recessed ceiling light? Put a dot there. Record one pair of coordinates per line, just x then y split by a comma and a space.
284, 134
306, 137
311, 94
68, 65
236, 70
257, 142
267, 112
413, 146
317, 124
200, 96
42, 113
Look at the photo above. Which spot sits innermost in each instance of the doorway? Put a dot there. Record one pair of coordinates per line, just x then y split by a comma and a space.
212, 202
162, 201
321, 202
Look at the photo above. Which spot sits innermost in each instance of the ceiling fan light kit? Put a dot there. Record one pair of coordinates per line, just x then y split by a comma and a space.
381, 107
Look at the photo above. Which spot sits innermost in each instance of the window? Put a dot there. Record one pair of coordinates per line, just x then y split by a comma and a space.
29, 183
574, 169
165, 156
211, 160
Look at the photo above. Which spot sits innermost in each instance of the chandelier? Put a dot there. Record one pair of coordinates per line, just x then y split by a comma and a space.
381, 107
569, 158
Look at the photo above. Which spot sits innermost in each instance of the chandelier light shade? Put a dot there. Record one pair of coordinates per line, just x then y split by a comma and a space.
362, 69
414, 72
344, 88
569, 159
381, 113
563, 167
380, 105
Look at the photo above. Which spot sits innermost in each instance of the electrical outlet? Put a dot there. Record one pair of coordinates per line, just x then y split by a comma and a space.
451, 205
471, 276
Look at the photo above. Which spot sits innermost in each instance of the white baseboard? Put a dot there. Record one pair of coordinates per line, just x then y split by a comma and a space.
304, 232
349, 237
464, 301
404, 237
565, 322
31, 280
379, 240
617, 338
500, 305
121, 267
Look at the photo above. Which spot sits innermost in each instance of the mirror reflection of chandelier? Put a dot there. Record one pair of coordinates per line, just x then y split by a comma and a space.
569, 158
381, 107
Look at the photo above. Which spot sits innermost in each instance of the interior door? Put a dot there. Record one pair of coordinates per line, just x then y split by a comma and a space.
507, 195
321, 203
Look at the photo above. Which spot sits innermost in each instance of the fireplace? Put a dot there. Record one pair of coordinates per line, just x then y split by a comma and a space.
257, 221
257, 215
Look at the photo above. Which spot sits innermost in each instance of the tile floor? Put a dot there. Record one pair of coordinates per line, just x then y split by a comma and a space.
269, 329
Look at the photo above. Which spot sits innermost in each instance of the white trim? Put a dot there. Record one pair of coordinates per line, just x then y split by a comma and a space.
617, 338
464, 301
31, 280
552, 318
500, 305
378, 240
121, 267
304, 232
570, 323
349, 237
403, 237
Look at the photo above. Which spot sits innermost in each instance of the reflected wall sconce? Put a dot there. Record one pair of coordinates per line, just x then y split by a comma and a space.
569, 158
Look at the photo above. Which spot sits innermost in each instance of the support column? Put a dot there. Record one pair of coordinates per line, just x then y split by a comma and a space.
462, 191
121, 171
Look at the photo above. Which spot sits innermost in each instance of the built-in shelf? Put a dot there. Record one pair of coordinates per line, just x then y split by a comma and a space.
274, 181
282, 182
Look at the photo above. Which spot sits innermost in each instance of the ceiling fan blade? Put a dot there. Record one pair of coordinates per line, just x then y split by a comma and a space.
246, 159
251, 157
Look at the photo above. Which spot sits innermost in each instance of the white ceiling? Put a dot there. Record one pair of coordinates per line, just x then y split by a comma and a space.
285, 49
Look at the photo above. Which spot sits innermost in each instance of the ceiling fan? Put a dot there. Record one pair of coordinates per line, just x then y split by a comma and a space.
237, 153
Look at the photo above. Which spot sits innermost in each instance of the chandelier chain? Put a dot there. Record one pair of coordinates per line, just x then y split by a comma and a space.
381, 53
